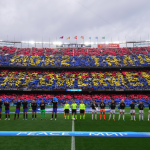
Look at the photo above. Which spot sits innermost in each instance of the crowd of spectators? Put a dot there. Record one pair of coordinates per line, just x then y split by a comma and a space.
91, 57
43, 79
87, 99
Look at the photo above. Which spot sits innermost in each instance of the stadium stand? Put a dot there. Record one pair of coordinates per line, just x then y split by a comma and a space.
55, 78
81, 57
87, 98
43, 79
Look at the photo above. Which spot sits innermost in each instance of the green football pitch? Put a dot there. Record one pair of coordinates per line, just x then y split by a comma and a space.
81, 143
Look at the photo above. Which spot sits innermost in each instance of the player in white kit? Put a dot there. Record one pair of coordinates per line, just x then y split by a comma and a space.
112, 111
122, 109
132, 110
94, 110
141, 111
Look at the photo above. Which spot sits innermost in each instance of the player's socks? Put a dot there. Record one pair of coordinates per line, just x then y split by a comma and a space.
134, 117
96, 116
45, 116
5, 116
32, 117
65, 116
119, 117
0, 116
52, 115
26, 116
15, 116
76, 116
72, 117
55, 116
80, 116
9, 116
68, 116
142, 117
100, 116
41, 116
109, 116
92, 116
84, 116
113, 116
35, 116
139, 116
123, 116
104, 116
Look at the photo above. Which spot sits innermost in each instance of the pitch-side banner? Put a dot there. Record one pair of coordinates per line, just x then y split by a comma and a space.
108, 45
76, 133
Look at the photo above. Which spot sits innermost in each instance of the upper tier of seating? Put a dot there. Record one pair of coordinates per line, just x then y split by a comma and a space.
74, 52
46, 57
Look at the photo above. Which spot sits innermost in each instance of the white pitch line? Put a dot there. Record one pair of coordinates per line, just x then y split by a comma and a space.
72, 138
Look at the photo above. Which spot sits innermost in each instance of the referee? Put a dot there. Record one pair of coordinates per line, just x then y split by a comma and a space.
74, 108
66, 110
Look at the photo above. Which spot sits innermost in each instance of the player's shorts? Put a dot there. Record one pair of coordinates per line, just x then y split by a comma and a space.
66, 110
141, 111
43, 111
74, 111
122, 110
6, 111
25, 110
33, 110
102, 110
0, 109
17, 110
94, 111
82, 111
55, 110
112, 111
132, 111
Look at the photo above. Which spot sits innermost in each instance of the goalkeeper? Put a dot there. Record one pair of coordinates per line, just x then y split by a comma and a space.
42, 105
66, 110
82, 110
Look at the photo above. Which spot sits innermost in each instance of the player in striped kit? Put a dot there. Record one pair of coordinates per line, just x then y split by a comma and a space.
18, 105
7, 110
34, 107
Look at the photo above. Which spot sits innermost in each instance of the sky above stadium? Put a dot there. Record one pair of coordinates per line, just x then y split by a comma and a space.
113, 19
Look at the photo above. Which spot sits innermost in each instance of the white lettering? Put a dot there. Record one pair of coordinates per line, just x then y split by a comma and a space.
96, 134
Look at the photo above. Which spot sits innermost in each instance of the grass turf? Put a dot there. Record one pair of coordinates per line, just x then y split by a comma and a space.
64, 143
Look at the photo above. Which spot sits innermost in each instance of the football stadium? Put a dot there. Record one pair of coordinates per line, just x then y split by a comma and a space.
83, 90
